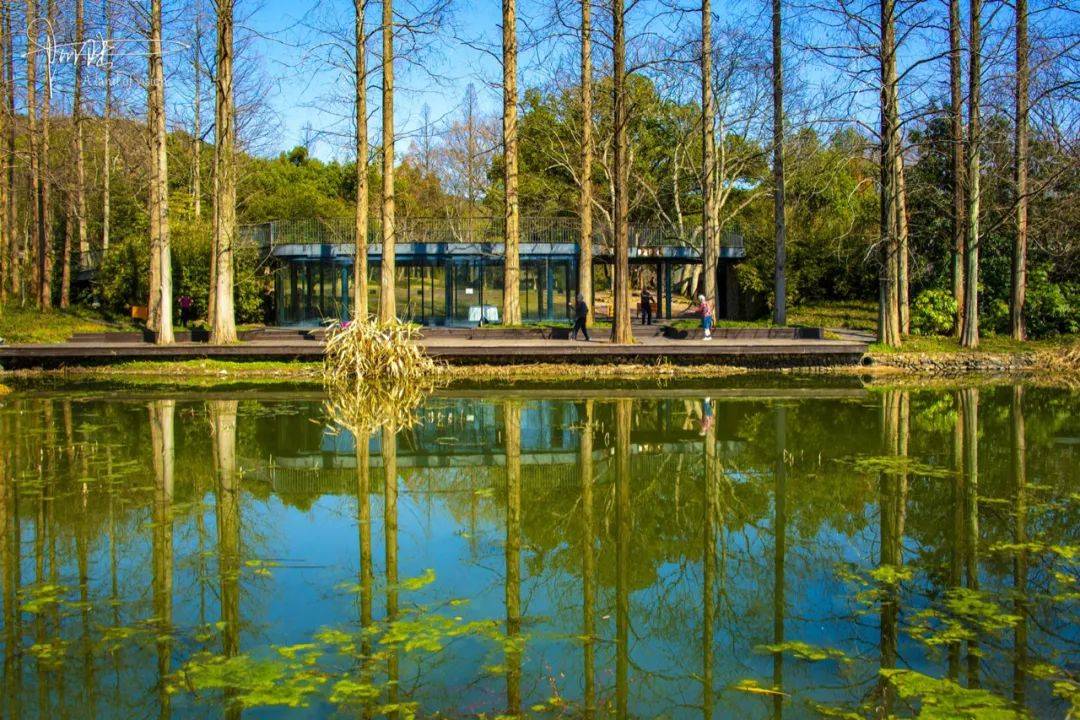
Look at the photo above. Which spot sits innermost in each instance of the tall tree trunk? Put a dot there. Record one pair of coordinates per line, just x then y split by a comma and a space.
904, 254
223, 325
956, 147
779, 218
65, 256
33, 130
1019, 258
710, 235
360, 259
620, 327
903, 307
196, 130
969, 337
106, 121
387, 300
45, 251
889, 311
80, 155
6, 120
585, 279
512, 210
13, 254
160, 244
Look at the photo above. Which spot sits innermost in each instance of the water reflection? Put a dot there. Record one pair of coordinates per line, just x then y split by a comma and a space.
764, 553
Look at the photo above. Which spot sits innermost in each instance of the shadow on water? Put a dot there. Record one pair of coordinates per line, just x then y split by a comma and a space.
779, 551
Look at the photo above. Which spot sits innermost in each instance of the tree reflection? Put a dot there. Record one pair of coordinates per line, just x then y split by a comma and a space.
512, 440
779, 557
969, 423
363, 524
390, 535
1020, 538
223, 426
892, 506
588, 561
162, 413
623, 419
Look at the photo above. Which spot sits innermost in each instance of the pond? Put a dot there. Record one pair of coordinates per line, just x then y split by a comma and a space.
752, 549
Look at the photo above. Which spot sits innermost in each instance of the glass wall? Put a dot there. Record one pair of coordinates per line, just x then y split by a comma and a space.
431, 291
311, 292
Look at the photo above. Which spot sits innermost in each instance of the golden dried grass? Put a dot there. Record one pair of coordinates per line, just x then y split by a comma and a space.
376, 375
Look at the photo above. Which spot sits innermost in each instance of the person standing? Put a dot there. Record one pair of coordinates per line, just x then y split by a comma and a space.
581, 314
185, 303
646, 307
706, 316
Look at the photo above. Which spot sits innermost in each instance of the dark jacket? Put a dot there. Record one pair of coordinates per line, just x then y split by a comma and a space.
581, 309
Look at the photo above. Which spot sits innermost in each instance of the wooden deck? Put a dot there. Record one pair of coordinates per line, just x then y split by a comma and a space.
763, 352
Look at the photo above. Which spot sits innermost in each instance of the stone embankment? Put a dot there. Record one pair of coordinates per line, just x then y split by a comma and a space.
955, 363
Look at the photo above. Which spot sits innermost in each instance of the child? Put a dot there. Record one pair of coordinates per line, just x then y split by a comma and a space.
706, 316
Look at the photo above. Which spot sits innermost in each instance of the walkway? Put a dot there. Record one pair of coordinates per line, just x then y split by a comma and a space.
648, 349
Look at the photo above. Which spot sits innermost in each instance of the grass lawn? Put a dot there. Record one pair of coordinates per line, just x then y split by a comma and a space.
30, 325
850, 315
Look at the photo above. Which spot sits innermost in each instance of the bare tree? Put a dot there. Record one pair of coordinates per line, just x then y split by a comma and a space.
11, 237
34, 131
1020, 159
889, 331
223, 321
80, 154
512, 210
621, 331
196, 112
709, 231
969, 336
6, 120
779, 219
161, 310
585, 258
956, 158
360, 264
106, 121
387, 303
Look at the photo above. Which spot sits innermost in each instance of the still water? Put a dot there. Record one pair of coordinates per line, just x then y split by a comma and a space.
730, 551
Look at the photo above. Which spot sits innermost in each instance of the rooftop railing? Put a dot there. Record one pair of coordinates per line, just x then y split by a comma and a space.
554, 230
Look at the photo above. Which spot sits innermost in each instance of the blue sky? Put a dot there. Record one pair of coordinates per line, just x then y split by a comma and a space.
301, 87
450, 62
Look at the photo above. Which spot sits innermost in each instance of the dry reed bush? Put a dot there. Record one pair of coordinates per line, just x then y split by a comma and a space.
376, 375
358, 353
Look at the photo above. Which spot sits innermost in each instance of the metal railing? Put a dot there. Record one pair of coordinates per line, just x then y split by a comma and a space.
554, 230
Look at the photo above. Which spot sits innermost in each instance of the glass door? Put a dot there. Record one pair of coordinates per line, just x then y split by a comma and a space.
465, 293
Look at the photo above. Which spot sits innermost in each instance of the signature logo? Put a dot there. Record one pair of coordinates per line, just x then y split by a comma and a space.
97, 52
